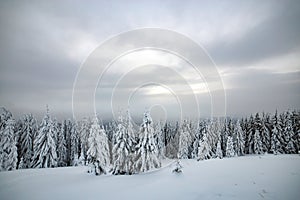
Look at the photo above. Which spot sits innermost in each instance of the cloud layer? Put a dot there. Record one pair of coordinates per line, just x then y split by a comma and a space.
256, 47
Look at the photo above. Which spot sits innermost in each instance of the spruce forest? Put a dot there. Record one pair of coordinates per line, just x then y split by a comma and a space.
118, 147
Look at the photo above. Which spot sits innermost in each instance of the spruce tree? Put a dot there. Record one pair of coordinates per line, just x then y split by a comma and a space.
219, 152
62, 146
28, 133
84, 135
8, 147
204, 151
147, 155
229, 147
288, 135
44, 144
240, 142
276, 135
123, 149
184, 141
98, 152
258, 147
159, 140
75, 144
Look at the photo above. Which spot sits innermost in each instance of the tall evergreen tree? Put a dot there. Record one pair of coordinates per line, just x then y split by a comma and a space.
28, 133
84, 135
204, 151
250, 130
8, 148
229, 147
266, 132
159, 140
98, 152
75, 145
276, 135
62, 146
184, 140
288, 135
147, 155
200, 132
219, 152
124, 147
239, 139
258, 147
44, 144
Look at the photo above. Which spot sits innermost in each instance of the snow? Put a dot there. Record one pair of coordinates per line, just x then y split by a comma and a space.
247, 177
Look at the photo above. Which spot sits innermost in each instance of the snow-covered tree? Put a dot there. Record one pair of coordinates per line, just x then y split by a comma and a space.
229, 147
146, 155
61, 146
239, 139
75, 144
98, 152
84, 135
123, 148
289, 135
28, 133
219, 152
184, 140
21, 164
8, 148
249, 139
178, 167
44, 144
200, 132
159, 140
258, 147
276, 135
265, 132
204, 151
4, 116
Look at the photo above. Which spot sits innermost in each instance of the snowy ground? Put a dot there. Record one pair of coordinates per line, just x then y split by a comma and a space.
249, 177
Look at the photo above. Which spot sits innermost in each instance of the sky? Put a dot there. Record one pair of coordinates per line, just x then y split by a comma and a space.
254, 45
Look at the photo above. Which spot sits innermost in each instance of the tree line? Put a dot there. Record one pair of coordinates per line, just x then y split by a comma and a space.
118, 147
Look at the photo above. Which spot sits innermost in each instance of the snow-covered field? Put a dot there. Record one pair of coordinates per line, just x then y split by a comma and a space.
249, 177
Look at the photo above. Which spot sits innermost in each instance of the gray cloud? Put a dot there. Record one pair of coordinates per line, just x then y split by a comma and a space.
42, 45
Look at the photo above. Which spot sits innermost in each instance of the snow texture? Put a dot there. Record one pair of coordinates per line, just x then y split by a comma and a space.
248, 177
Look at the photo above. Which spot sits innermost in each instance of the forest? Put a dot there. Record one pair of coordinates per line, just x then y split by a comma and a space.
118, 147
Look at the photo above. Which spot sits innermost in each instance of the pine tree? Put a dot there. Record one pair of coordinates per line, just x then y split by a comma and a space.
123, 149
159, 141
147, 155
8, 148
229, 147
4, 116
21, 164
84, 135
266, 132
44, 144
258, 147
184, 141
74, 145
219, 152
224, 136
288, 135
98, 152
178, 167
61, 146
249, 140
200, 131
204, 151
239, 142
276, 134
27, 136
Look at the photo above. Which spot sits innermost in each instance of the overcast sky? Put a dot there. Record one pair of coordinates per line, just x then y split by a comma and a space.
254, 44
